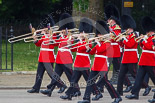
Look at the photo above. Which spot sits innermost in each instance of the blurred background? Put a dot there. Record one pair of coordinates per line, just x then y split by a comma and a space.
20, 13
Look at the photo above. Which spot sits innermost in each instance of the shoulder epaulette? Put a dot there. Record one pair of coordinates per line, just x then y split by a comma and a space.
117, 27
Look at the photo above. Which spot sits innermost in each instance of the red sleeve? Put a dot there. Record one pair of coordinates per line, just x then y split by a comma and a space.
130, 43
121, 44
38, 44
83, 47
147, 45
93, 51
104, 47
117, 31
90, 45
74, 48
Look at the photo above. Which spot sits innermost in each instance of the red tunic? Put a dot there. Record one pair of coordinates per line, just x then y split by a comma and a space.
116, 29
64, 55
100, 60
130, 54
114, 51
148, 54
82, 59
46, 51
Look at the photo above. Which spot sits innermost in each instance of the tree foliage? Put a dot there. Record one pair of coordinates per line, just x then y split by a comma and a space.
81, 5
25, 9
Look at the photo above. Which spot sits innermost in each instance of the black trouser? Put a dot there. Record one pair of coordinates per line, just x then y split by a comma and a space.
40, 72
116, 66
91, 82
75, 79
116, 63
140, 77
124, 69
59, 69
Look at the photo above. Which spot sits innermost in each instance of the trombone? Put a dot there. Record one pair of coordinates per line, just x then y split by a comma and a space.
30, 39
104, 36
119, 37
21, 37
28, 35
138, 39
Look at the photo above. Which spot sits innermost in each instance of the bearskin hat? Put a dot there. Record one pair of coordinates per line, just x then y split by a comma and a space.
101, 27
66, 21
86, 25
127, 22
112, 12
46, 20
148, 24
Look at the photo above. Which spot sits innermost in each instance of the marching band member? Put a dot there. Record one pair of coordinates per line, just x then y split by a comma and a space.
147, 60
130, 55
100, 68
46, 60
82, 60
112, 16
64, 58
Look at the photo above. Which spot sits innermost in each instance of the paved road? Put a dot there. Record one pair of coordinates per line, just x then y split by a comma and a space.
26, 80
21, 96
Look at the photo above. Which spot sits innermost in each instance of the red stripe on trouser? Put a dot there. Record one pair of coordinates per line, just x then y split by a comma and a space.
128, 81
95, 89
112, 88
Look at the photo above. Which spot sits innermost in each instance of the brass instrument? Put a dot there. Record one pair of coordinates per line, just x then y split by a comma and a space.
29, 39
103, 36
70, 30
139, 38
119, 37
28, 35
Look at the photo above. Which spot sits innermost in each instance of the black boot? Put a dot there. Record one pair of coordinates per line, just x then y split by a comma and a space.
97, 97
84, 101
62, 89
151, 101
51, 90
45, 92
132, 96
147, 91
33, 91
48, 92
66, 97
117, 100
128, 89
